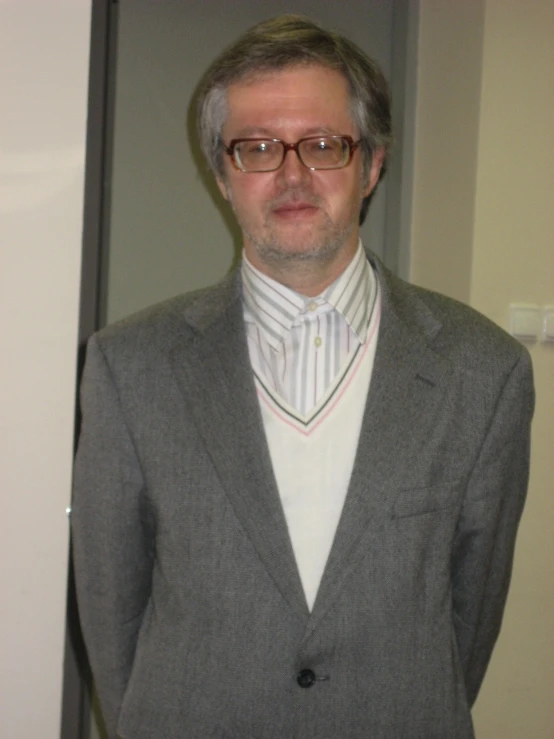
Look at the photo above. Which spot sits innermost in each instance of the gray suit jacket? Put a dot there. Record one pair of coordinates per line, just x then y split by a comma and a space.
191, 603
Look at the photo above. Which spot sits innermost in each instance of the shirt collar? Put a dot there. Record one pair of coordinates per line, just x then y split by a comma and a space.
274, 307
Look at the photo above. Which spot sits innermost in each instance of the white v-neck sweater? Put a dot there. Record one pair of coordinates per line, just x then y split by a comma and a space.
313, 462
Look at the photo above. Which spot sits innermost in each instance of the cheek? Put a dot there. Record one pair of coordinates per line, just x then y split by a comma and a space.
249, 194
245, 203
344, 194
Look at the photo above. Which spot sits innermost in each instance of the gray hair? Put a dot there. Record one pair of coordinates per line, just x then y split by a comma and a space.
293, 40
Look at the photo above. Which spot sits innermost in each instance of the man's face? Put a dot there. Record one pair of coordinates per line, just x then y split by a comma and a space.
294, 213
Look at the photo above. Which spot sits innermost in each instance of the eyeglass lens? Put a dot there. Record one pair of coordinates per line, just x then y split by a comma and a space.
320, 152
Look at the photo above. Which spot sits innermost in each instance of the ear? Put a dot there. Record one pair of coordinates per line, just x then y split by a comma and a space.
374, 170
222, 188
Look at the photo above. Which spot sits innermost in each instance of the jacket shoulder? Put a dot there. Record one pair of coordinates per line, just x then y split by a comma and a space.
454, 329
164, 324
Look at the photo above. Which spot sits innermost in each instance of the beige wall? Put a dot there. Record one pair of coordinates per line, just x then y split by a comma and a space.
43, 78
483, 231
445, 157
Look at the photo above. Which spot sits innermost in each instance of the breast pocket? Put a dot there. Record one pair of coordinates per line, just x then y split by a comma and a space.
419, 501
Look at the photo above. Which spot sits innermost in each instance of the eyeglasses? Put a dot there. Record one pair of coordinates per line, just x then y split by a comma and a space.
315, 152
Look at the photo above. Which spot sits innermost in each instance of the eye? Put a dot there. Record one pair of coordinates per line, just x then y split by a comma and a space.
258, 148
321, 147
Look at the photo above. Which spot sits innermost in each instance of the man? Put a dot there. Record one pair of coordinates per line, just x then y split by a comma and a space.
297, 492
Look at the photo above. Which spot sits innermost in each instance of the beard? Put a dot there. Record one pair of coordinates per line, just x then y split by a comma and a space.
284, 245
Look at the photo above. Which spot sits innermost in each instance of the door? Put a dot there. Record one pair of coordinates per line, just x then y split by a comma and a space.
155, 224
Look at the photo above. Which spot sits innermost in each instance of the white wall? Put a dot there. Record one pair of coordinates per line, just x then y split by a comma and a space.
44, 52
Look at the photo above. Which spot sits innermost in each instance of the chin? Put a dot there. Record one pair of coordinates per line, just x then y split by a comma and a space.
283, 252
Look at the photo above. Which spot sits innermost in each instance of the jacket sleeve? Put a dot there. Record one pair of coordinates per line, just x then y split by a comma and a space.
112, 537
485, 537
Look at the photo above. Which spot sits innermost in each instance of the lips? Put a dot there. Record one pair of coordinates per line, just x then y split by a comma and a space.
295, 208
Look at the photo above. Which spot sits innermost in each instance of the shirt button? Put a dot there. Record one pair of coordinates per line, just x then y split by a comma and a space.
306, 678
317, 341
312, 306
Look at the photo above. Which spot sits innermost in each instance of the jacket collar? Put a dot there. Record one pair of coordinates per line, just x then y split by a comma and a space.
208, 306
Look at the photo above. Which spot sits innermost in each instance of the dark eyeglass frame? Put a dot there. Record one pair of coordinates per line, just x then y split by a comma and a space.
352, 146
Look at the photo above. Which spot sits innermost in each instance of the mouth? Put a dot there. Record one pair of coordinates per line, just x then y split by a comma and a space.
295, 209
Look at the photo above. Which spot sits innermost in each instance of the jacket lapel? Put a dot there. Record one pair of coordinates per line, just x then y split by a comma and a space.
408, 382
407, 385
214, 374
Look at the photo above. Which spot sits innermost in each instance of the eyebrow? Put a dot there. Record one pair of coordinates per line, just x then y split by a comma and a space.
261, 132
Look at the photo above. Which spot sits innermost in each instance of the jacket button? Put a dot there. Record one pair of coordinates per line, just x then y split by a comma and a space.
305, 678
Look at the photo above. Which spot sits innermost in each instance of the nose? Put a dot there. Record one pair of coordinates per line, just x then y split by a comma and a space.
292, 171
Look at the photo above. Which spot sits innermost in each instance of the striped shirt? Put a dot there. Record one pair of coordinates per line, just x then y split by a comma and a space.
298, 345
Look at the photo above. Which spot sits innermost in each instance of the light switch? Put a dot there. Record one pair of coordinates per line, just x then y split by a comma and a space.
525, 321
548, 323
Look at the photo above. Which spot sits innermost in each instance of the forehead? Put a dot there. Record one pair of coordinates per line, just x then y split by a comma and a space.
300, 98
